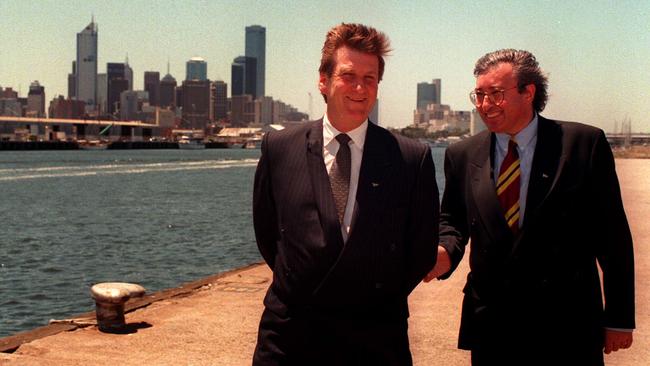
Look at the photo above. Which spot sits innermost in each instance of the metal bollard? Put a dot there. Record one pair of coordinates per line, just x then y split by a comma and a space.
109, 303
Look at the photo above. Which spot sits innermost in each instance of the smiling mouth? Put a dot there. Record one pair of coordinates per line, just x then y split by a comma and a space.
357, 100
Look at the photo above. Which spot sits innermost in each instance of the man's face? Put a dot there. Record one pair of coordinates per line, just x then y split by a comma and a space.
515, 111
351, 91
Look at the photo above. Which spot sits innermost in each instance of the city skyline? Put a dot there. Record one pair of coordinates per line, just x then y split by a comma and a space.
595, 53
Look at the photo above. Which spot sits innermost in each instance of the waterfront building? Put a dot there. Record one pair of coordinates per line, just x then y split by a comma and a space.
152, 86
429, 93
86, 66
256, 48
240, 108
196, 103
264, 110
168, 91
476, 123
66, 108
220, 100
36, 100
244, 76
129, 105
196, 69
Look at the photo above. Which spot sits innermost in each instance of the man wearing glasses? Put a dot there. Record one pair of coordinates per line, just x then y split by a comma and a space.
541, 203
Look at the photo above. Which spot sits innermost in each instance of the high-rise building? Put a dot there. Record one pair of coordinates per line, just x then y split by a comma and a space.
152, 86
244, 76
196, 103
428, 93
256, 48
86, 75
72, 81
117, 83
168, 91
36, 100
220, 100
102, 92
196, 69
128, 73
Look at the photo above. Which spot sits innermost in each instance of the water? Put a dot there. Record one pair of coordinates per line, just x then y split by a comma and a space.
158, 218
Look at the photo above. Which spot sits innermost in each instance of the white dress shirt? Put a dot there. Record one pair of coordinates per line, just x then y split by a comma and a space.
330, 148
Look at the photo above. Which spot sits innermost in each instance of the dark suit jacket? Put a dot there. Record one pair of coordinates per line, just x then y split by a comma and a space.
541, 288
328, 298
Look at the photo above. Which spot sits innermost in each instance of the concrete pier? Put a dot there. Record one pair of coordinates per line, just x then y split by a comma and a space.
214, 321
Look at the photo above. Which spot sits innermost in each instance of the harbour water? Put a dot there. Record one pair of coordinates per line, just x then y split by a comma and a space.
158, 218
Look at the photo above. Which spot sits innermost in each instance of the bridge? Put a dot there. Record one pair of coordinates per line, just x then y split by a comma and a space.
620, 139
63, 128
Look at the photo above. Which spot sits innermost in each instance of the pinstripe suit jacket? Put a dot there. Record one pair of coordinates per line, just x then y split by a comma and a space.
391, 245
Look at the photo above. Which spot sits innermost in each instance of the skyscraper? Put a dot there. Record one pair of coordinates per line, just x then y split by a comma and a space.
256, 47
36, 100
196, 103
428, 93
168, 91
117, 83
220, 100
72, 81
128, 73
86, 70
152, 86
244, 76
197, 69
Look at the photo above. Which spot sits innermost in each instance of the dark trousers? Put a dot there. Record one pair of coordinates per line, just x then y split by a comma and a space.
320, 339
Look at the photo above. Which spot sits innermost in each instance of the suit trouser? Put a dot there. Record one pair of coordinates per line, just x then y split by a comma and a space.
325, 340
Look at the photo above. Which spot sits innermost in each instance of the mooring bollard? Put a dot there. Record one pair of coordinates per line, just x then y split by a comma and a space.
109, 303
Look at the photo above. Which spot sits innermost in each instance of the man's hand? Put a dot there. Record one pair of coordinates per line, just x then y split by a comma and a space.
443, 265
615, 340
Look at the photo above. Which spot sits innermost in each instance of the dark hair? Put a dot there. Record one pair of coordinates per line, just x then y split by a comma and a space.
525, 68
358, 37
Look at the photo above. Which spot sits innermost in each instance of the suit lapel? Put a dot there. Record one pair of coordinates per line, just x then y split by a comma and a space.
321, 186
484, 191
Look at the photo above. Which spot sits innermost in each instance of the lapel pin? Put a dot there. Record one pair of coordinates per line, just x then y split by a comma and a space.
374, 184
544, 175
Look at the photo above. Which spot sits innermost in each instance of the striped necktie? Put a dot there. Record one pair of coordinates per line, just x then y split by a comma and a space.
508, 186
340, 175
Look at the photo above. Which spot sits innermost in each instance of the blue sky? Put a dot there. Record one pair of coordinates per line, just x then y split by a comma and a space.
596, 53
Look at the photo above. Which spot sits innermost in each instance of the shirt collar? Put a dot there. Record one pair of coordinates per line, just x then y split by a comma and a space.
358, 135
523, 138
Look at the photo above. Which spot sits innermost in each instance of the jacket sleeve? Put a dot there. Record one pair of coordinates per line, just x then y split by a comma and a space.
423, 224
454, 233
264, 212
614, 246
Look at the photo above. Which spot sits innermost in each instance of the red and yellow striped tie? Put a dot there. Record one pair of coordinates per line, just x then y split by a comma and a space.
508, 186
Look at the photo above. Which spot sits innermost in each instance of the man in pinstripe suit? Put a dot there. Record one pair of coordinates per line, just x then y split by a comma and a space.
345, 215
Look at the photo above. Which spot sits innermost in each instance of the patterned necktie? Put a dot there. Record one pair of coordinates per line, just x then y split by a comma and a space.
340, 175
508, 186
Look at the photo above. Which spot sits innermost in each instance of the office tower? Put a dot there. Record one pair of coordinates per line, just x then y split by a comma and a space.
66, 108
220, 100
116, 83
256, 48
128, 73
102, 93
152, 86
244, 76
72, 81
168, 91
86, 76
196, 103
129, 105
36, 100
428, 93
196, 69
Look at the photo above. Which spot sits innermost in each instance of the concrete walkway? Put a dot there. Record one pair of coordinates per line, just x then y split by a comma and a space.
214, 321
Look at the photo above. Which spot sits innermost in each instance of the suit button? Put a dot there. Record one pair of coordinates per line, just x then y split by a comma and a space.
379, 285
393, 247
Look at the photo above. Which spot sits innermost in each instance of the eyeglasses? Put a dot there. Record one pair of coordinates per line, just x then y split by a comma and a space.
496, 97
